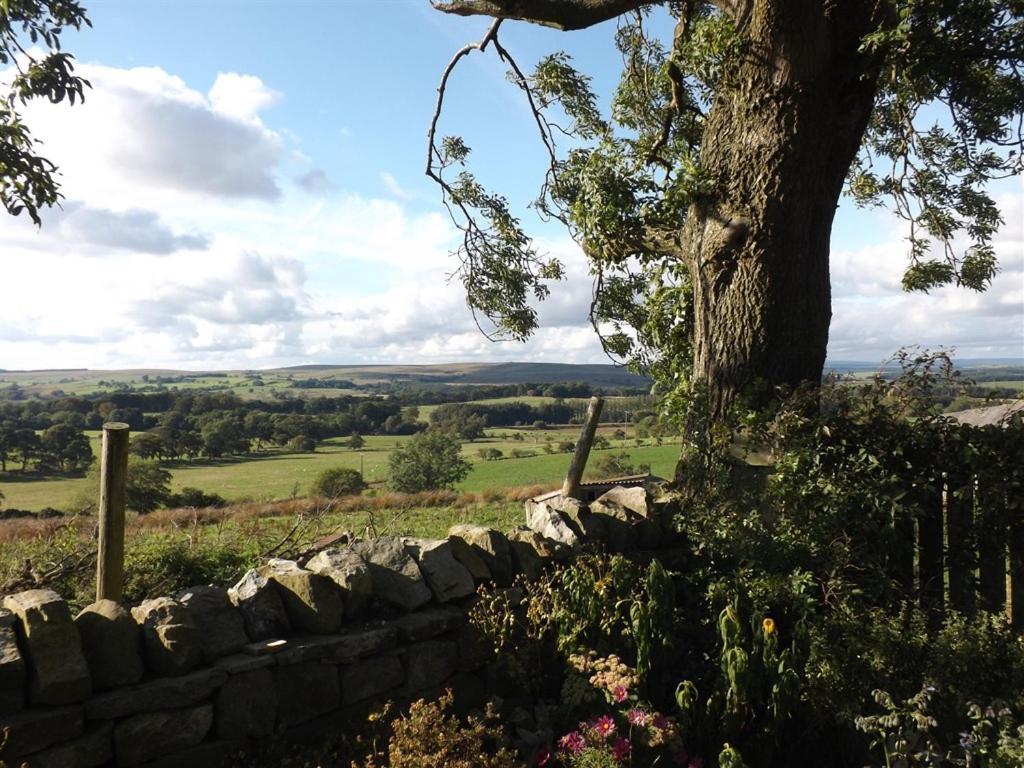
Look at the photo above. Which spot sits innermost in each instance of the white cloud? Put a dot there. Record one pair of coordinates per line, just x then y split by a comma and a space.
873, 317
394, 188
241, 96
143, 129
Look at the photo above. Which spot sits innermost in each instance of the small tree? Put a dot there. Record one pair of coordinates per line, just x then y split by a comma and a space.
301, 444
148, 485
356, 441
429, 461
337, 481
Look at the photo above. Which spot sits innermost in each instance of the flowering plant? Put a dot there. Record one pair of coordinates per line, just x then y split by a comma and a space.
630, 734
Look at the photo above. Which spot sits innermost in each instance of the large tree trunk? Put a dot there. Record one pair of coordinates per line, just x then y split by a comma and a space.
780, 138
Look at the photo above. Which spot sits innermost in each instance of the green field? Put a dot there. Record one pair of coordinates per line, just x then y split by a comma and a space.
279, 475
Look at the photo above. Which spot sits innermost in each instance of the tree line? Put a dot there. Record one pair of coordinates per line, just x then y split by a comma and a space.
48, 436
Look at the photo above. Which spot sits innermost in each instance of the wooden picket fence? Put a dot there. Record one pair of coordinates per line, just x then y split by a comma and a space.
958, 542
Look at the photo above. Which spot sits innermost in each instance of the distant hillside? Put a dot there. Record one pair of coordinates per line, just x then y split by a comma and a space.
598, 375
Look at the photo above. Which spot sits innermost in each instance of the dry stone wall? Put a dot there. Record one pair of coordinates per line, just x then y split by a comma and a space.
287, 652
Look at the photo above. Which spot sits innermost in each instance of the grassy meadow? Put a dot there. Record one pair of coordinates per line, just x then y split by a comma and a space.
278, 474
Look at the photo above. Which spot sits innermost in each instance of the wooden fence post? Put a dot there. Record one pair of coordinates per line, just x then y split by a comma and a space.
992, 535
571, 486
961, 547
1017, 573
113, 482
930, 569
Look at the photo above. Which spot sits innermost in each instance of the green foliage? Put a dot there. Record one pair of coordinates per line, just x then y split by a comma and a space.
429, 461
163, 565
148, 486
607, 605
753, 695
27, 180
965, 59
194, 497
338, 481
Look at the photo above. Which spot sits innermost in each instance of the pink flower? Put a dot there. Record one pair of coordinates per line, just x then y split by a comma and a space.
620, 694
697, 762
572, 742
620, 749
604, 726
637, 718
660, 722
680, 757
541, 756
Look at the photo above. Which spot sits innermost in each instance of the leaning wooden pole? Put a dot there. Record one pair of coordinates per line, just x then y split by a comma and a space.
571, 486
113, 482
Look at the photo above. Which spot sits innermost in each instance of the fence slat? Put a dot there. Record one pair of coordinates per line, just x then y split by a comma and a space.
961, 552
901, 553
991, 547
1017, 574
930, 571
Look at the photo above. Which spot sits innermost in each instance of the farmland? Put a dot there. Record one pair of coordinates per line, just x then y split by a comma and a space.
281, 474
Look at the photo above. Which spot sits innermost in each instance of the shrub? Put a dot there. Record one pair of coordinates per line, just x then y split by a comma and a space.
490, 454
338, 481
301, 444
521, 453
430, 737
429, 461
614, 465
194, 497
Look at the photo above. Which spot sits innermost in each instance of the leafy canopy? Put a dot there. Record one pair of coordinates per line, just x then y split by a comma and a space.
947, 121
429, 461
33, 66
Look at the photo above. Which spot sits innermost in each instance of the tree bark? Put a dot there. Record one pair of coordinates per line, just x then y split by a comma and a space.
784, 128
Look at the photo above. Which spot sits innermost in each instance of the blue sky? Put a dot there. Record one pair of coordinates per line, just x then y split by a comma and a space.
247, 179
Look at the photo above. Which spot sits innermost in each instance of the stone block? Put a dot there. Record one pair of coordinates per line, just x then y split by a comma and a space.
491, 546
447, 578
635, 499
112, 644
551, 523
312, 602
548, 550
210, 754
352, 575
220, 624
526, 559
432, 622
397, 579
36, 729
246, 706
239, 663
257, 599
428, 664
361, 643
370, 678
156, 734
47, 636
94, 748
305, 691
470, 559
13, 671
171, 640
162, 693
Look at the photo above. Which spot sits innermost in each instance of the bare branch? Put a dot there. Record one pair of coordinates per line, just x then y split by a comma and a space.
565, 15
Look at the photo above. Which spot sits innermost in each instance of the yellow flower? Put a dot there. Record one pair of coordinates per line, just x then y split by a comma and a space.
768, 625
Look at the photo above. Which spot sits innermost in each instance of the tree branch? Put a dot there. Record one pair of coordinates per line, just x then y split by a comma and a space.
565, 15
